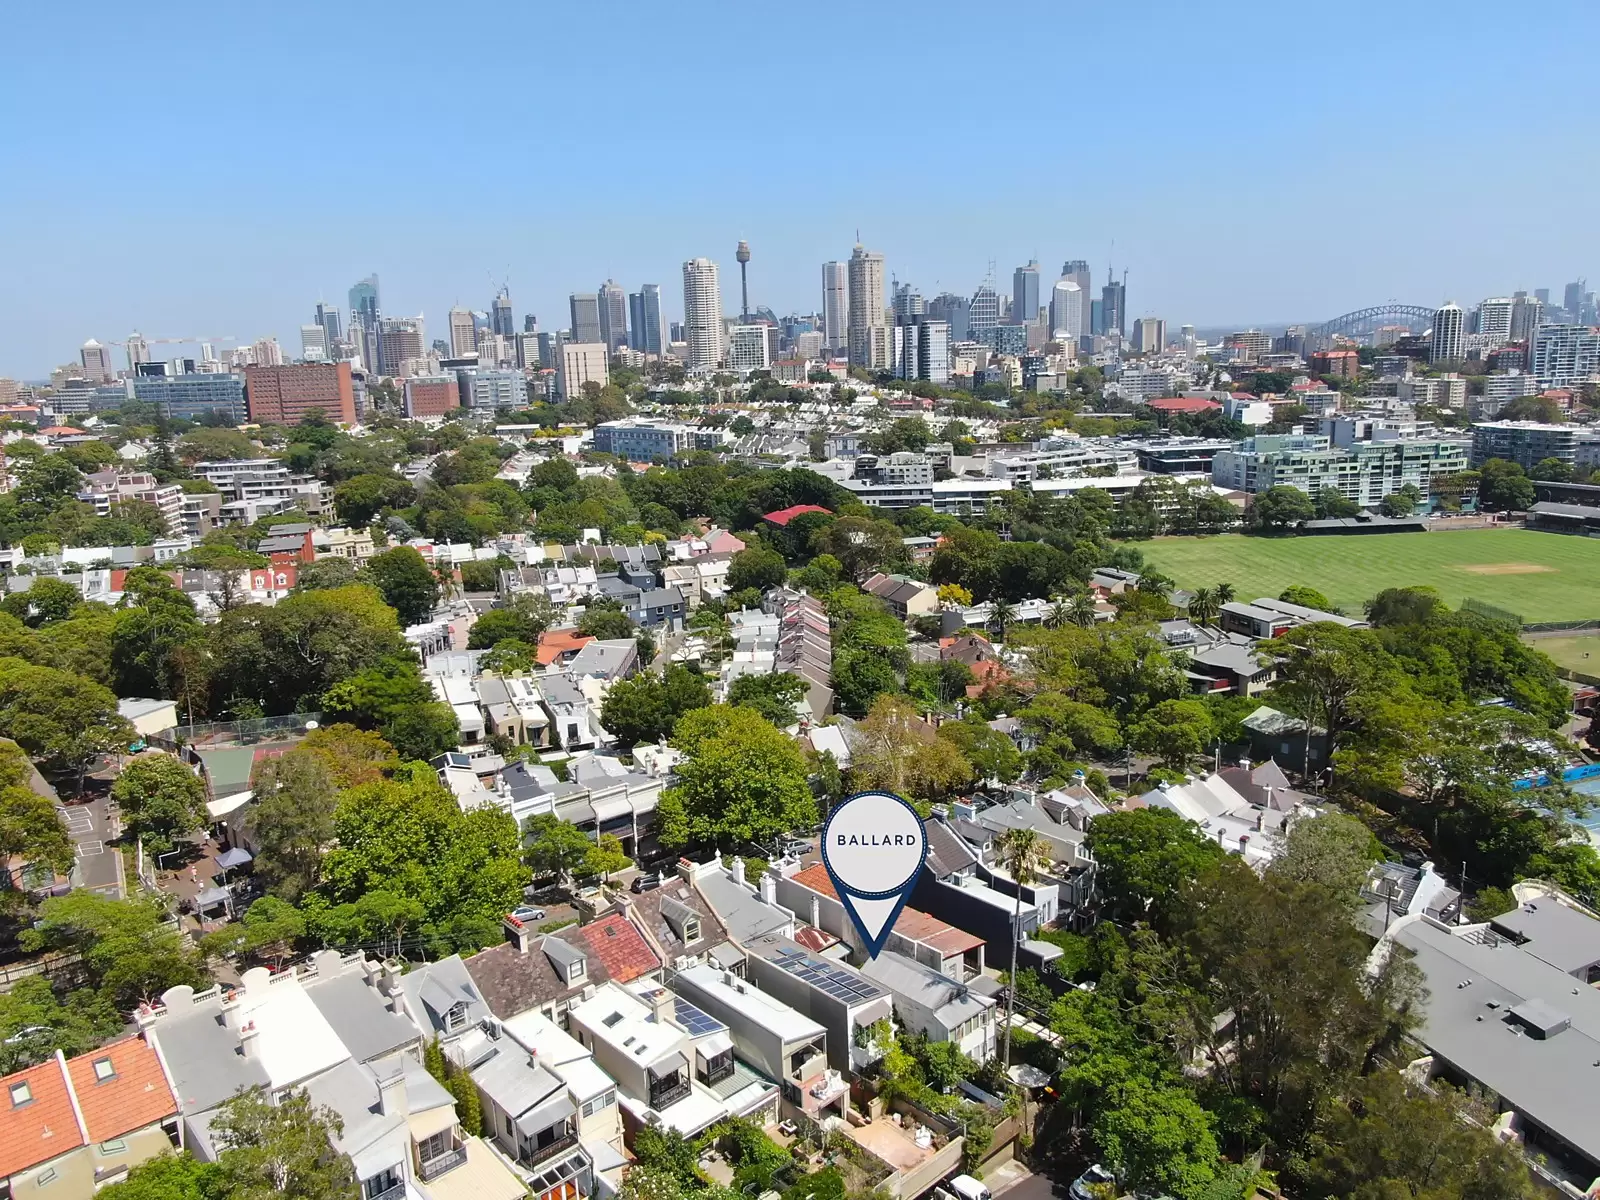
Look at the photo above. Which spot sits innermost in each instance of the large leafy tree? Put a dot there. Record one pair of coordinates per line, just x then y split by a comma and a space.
647, 707
30, 827
281, 1148
62, 720
406, 582
741, 780
757, 568
129, 951
895, 749
361, 498
775, 695
161, 800
1145, 856
292, 820
1175, 731
169, 1177
35, 1022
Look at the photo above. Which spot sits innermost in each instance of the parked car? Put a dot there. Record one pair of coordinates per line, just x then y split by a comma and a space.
965, 1187
797, 848
528, 912
647, 882
1095, 1176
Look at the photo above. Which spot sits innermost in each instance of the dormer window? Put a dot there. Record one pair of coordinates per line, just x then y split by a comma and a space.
691, 930
576, 971
456, 1016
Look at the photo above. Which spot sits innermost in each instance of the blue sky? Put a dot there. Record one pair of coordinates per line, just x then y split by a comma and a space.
215, 169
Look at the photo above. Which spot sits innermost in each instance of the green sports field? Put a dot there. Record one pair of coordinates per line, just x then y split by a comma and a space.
1542, 576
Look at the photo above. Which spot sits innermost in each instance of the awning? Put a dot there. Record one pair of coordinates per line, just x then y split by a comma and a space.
223, 805
718, 1043
237, 857
547, 1114
211, 897
434, 1120
611, 807
727, 956
669, 1064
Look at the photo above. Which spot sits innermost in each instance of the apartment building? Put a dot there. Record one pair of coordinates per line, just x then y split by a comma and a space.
1364, 472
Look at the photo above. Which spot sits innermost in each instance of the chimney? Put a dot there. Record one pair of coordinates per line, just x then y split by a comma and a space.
518, 932
249, 1043
738, 870
769, 889
661, 1005
816, 911
1244, 764
392, 1094
1261, 813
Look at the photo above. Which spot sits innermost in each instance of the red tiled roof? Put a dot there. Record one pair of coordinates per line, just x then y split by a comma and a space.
556, 642
816, 878
61, 430
135, 1096
1183, 404
912, 923
620, 947
784, 515
41, 1128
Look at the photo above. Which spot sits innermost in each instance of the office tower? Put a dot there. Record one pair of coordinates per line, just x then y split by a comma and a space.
138, 351
1097, 319
364, 314
580, 363
748, 349
613, 315
1114, 304
463, 333
287, 395
1542, 295
527, 349
530, 323
809, 345
399, 340
742, 256
1449, 335
1187, 336
869, 328
983, 314
1494, 321
501, 319
1564, 356
921, 347
1025, 294
1066, 310
328, 317
954, 311
431, 395
835, 305
266, 352
1149, 335
96, 361
644, 320
1572, 299
314, 343
1077, 270
702, 313
1526, 315
585, 317
908, 302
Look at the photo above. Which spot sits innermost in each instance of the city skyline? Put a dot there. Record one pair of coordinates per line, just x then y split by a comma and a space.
208, 242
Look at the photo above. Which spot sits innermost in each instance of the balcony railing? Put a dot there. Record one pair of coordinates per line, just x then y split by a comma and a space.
665, 1095
448, 1161
532, 1156
397, 1192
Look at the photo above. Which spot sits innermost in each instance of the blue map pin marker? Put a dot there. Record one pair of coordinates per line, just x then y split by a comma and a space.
874, 845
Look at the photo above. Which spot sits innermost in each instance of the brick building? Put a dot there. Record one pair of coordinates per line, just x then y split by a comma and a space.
285, 395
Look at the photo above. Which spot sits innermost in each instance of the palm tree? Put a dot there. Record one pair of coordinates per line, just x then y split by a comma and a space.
1022, 853
713, 626
1152, 583
1059, 616
1082, 610
1001, 614
1203, 605
1224, 593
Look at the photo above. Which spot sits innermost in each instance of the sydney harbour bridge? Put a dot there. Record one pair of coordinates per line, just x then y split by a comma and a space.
1366, 321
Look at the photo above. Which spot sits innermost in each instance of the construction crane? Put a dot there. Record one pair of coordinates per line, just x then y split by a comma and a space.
174, 341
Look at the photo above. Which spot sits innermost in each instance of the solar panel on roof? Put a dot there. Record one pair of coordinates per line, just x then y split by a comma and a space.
830, 979
696, 1022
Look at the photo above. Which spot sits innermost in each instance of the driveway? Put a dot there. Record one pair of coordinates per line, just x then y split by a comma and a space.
93, 827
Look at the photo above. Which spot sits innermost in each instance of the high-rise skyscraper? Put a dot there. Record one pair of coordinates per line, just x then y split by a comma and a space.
953, 310
1527, 314
1149, 335
530, 323
742, 256
463, 333
835, 305
138, 351
613, 315
328, 317
1066, 310
364, 314
585, 317
1025, 294
314, 344
983, 314
502, 321
1572, 299
1077, 270
1449, 335
908, 302
869, 326
702, 313
921, 348
96, 361
648, 334
1114, 305
399, 339
1494, 321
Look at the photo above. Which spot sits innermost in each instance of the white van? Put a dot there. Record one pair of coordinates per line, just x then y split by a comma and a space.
966, 1187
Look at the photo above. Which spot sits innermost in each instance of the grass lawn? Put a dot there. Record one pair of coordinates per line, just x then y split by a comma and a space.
1543, 576
1579, 652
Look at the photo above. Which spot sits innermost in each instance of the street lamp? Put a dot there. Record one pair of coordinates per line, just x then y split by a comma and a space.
165, 854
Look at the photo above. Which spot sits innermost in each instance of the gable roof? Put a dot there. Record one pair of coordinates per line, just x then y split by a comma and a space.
512, 982
947, 853
784, 515
663, 911
134, 1095
620, 947
42, 1127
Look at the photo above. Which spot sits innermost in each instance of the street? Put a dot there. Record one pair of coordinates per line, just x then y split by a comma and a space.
1002, 1182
